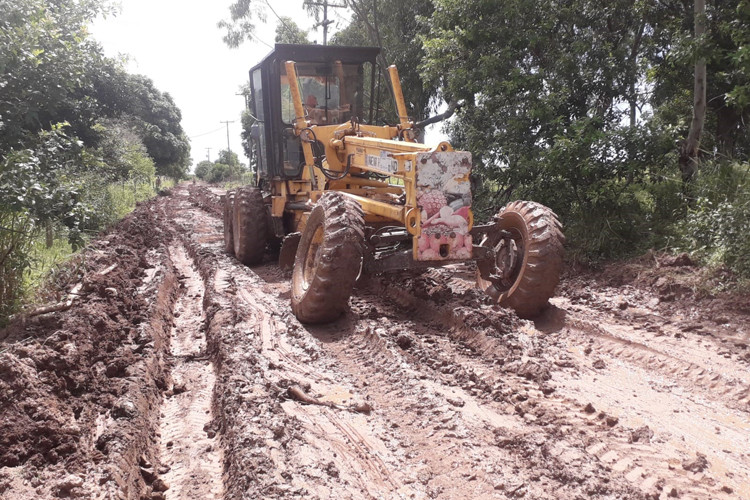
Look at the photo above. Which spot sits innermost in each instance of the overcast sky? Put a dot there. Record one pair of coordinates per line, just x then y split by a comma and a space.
178, 46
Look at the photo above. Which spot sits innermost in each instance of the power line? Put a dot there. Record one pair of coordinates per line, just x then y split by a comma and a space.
255, 37
288, 28
205, 133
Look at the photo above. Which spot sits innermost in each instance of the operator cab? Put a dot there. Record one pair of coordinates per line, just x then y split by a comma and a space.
337, 85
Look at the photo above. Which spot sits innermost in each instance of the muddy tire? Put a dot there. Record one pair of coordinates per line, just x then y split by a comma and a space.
530, 261
328, 259
228, 214
249, 231
288, 251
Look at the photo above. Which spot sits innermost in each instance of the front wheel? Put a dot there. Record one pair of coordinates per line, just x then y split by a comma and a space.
527, 242
328, 259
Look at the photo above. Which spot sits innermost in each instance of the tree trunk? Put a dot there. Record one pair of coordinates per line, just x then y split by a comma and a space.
689, 150
634, 51
49, 236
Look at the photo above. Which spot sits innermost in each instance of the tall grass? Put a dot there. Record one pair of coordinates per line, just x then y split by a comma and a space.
15, 228
27, 264
124, 196
244, 179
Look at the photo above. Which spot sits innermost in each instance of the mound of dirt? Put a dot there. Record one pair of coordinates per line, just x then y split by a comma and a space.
202, 197
76, 385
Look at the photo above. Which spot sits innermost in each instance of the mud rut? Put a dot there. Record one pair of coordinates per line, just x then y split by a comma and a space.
423, 390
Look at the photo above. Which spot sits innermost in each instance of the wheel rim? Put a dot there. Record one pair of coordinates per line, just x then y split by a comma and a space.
311, 257
509, 261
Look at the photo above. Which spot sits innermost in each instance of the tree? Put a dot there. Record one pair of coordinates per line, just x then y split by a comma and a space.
671, 58
689, 149
226, 167
243, 16
287, 31
45, 46
739, 34
203, 169
549, 90
151, 113
72, 123
46, 183
229, 158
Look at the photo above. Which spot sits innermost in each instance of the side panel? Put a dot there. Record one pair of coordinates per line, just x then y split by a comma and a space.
444, 198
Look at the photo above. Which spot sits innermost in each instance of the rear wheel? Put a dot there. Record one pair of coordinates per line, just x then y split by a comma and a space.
328, 259
249, 231
228, 214
527, 241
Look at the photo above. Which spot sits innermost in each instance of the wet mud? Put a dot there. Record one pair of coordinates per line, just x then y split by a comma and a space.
180, 373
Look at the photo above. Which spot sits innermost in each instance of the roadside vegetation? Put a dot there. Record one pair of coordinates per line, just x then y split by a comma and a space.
629, 119
226, 170
81, 140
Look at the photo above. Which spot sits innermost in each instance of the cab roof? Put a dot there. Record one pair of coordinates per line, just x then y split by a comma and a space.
319, 53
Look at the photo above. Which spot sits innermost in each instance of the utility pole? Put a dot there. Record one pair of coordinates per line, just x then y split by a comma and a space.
247, 101
208, 154
326, 22
229, 150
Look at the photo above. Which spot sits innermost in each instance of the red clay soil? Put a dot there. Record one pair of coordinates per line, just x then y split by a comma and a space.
183, 374
77, 386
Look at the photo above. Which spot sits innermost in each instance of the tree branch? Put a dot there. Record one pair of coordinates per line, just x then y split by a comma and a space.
452, 107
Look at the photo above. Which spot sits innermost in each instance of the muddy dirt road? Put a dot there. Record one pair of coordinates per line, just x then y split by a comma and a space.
179, 373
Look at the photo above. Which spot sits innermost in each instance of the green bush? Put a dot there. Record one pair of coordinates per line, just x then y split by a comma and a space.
17, 231
717, 227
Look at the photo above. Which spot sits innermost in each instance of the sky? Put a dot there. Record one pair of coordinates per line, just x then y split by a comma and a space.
178, 45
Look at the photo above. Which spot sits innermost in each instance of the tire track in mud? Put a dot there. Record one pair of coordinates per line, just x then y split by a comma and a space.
467, 401
716, 377
443, 453
435, 415
275, 446
493, 403
109, 350
688, 405
190, 459
647, 466
344, 440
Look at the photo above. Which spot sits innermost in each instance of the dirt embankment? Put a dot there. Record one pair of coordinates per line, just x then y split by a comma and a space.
78, 386
183, 374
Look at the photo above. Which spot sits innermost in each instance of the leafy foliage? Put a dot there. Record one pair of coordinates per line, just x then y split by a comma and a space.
80, 139
287, 31
151, 114
45, 183
243, 16
46, 63
227, 167
717, 225
580, 105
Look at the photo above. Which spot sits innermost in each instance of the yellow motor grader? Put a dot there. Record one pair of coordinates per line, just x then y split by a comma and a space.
348, 195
